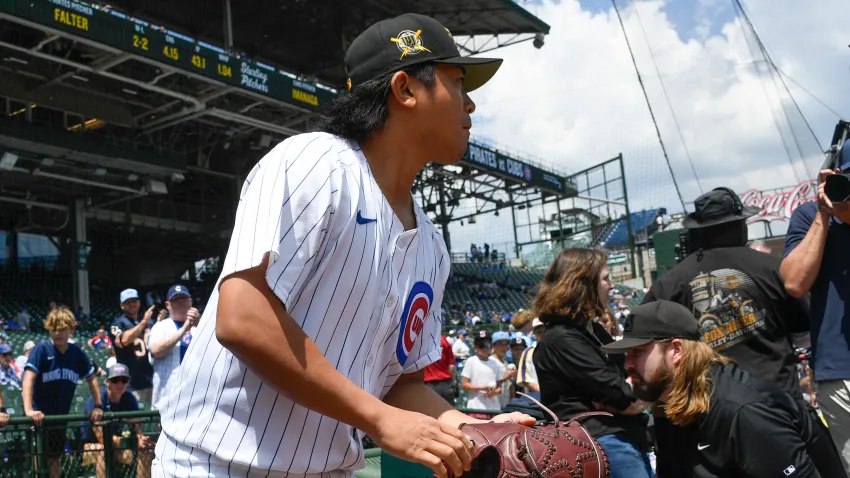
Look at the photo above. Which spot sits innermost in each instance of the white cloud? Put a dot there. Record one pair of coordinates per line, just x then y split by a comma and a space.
577, 101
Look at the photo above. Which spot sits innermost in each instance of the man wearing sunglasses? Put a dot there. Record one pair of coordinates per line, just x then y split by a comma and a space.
116, 399
9, 375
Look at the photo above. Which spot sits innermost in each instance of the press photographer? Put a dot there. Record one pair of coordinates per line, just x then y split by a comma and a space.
817, 260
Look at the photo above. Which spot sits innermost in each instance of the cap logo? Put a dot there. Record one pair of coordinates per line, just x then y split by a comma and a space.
450, 33
178, 289
348, 83
409, 43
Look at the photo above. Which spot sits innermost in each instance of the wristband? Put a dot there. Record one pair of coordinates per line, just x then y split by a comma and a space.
100, 407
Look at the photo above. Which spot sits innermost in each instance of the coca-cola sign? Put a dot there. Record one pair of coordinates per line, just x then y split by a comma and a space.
779, 205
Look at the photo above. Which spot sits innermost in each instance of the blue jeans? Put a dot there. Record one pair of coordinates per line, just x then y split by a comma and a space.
626, 460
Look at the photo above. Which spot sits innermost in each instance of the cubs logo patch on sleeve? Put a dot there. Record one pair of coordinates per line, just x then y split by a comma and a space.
413, 317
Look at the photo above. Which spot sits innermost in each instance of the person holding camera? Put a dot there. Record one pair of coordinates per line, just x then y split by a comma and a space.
736, 293
817, 261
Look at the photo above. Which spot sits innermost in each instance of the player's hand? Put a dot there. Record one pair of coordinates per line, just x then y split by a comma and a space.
148, 314
4, 419
515, 417
96, 415
824, 204
37, 417
163, 313
421, 439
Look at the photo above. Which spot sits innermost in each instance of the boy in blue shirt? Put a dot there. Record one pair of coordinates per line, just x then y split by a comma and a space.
50, 379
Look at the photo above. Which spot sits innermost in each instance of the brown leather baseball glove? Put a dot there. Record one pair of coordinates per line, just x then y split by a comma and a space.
547, 450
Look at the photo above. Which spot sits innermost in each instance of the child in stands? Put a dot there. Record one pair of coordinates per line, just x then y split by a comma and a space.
53, 369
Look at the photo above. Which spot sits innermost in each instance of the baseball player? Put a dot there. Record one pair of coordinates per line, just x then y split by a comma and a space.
327, 309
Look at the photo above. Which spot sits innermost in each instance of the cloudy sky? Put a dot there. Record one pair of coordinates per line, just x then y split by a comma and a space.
577, 101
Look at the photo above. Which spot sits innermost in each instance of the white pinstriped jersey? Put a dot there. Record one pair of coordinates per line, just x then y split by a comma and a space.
364, 290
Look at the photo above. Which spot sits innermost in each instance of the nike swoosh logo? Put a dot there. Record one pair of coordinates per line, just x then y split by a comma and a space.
702, 447
49, 358
364, 220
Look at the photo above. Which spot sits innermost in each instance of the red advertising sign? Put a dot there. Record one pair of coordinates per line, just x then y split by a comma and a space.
778, 205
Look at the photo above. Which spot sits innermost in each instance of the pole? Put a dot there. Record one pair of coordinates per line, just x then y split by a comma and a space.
513, 217
444, 223
228, 26
628, 215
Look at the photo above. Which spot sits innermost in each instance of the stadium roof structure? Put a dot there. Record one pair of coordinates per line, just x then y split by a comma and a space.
311, 36
138, 115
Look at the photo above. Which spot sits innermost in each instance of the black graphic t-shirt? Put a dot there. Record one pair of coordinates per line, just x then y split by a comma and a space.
135, 355
743, 309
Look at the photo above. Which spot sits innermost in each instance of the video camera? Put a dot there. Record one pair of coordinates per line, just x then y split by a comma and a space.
837, 186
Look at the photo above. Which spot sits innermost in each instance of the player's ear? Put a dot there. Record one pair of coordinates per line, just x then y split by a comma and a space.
402, 89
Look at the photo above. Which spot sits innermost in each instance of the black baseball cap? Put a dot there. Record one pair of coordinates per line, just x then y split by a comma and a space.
410, 39
657, 320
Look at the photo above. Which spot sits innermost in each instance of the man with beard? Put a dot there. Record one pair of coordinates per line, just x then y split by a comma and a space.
714, 419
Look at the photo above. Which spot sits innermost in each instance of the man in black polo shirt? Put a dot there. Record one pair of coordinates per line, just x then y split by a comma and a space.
714, 419
737, 293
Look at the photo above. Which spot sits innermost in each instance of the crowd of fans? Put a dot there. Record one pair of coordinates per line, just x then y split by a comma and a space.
574, 349
145, 350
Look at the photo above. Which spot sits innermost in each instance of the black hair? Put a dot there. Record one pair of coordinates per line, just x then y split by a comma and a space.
362, 111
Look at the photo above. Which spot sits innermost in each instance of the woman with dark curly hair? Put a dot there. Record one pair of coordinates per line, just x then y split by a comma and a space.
575, 375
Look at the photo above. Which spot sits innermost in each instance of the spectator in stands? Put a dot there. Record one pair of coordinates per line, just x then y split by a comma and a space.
115, 399
12, 324
21, 360
169, 340
129, 337
460, 348
737, 293
517, 347
522, 324
24, 318
440, 375
817, 261
501, 345
481, 377
100, 340
526, 373
9, 374
575, 375
50, 380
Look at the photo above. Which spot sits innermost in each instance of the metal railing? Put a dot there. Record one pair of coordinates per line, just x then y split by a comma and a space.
70, 446
120, 445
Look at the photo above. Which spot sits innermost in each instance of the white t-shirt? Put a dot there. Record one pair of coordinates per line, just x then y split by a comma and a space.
165, 368
482, 374
460, 348
364, 290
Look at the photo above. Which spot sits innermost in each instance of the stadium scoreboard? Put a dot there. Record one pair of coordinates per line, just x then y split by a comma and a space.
139, 37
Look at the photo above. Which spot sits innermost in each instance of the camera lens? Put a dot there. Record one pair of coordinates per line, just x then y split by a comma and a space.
837, 187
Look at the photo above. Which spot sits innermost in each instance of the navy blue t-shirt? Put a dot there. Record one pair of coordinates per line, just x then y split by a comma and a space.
830, 295
134, 356
127, 403
58, 375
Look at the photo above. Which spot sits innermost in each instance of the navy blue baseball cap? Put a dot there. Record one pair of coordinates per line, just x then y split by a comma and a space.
5, 349
177, 290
